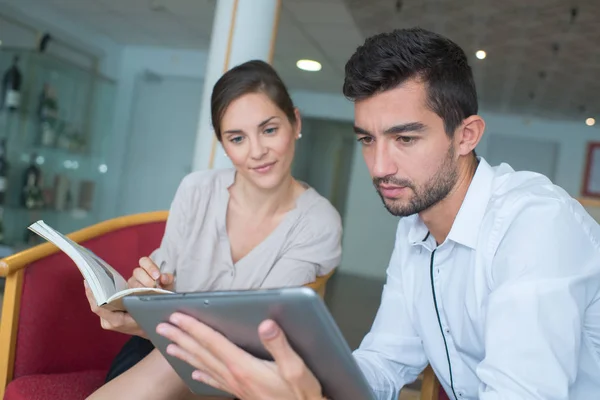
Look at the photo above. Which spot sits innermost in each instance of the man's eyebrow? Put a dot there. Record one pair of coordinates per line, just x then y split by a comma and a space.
394, 130
404, 128
361, 131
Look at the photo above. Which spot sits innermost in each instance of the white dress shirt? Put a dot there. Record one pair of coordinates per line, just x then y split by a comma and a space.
507, 307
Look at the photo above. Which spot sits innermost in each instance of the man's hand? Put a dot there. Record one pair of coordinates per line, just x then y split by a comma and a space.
148, 275
119, 321
225, 366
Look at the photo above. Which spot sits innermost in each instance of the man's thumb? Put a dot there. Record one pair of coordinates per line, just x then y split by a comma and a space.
273, 339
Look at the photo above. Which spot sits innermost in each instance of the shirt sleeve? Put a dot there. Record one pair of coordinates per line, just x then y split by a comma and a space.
544, 275
391, 354
315, 249
175, 230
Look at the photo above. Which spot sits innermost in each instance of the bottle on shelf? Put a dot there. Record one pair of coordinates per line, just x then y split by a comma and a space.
48, 115
11, 87
31, 193
3, 171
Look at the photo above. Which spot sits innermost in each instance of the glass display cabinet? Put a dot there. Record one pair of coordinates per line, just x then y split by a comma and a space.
56, 122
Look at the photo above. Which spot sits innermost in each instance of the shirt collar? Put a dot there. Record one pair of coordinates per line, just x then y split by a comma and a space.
465, 228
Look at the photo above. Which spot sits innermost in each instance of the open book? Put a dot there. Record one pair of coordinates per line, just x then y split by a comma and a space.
107, 285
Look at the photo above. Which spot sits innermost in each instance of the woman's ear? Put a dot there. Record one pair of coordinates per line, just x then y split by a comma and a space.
298, 125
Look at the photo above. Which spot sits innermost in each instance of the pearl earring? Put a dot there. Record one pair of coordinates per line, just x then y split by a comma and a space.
300, 135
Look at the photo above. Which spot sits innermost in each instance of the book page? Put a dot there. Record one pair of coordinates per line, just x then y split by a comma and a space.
115, 303
104, 281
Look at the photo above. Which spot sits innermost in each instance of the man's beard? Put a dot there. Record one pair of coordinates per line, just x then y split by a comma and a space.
432, 192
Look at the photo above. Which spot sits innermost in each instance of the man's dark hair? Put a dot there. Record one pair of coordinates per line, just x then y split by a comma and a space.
387, 60
253, 76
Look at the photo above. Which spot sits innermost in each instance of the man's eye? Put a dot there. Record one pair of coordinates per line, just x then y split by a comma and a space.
365, 140
406, 139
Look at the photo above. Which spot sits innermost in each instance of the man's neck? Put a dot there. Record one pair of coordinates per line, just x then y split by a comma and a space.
263, 203
439, 218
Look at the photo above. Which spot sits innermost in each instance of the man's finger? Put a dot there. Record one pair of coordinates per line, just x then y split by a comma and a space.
203, 377
192, 351
208, 338
290, 364
147, 264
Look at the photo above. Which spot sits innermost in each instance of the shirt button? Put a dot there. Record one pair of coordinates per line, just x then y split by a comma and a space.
437, 271
447, 331
460, 394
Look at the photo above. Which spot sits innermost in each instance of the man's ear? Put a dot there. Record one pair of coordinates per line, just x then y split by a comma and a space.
469, 134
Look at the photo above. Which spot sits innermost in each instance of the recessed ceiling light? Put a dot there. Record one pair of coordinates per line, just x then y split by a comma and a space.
590, 122
480, 54
309, 65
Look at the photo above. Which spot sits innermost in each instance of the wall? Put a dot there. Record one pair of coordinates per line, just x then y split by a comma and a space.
135, 61
71, 32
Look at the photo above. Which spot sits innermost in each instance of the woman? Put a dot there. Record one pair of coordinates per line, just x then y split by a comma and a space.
253, 226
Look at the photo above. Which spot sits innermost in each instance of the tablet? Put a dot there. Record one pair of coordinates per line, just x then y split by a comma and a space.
306, 321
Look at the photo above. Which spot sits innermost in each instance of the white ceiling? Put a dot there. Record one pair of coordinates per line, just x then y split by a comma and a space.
522, 74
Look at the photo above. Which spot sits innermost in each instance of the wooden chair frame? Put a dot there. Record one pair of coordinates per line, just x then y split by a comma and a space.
430, 386
13, 268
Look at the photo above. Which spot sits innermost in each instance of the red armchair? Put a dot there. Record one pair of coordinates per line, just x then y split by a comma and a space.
51, 344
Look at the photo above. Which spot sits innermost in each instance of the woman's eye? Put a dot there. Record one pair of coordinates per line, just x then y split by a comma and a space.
270, 131
236, 139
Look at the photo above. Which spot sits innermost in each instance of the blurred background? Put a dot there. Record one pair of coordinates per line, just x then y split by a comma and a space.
111, 92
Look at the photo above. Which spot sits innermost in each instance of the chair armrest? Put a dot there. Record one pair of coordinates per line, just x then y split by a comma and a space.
320, 284
20, 260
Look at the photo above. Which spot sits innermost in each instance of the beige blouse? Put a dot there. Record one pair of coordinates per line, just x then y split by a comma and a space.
195, 246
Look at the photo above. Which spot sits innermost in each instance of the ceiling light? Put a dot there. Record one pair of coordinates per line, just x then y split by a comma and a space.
309, 65
590, 122
480, 54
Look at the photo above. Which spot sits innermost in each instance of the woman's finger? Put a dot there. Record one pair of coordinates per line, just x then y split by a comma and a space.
133, 283
151, 269
90, 297
145, 280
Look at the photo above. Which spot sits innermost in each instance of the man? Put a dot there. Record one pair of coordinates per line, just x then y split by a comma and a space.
495, 275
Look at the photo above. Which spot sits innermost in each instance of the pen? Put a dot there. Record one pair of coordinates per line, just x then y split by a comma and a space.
157, 282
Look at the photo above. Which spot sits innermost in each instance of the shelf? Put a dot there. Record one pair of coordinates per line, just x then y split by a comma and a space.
85, 114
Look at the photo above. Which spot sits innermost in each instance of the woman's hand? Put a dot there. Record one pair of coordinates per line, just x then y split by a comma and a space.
119, 321
143, 276
225, 366
148, 275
